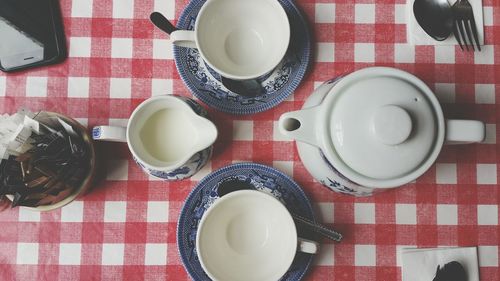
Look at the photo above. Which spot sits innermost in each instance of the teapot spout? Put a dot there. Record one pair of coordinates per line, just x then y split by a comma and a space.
300, 125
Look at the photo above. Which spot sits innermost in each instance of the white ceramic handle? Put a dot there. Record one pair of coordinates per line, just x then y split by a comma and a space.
300, 125
464, 131
183, 38
307, 246
109, 133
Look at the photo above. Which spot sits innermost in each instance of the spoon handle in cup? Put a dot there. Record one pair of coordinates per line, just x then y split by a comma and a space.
328, 233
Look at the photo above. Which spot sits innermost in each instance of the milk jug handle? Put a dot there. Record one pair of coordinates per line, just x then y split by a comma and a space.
183, 38
109, 133
300, 125
464, 131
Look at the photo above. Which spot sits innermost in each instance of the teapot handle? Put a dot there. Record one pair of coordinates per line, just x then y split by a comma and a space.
300, 125
464, 131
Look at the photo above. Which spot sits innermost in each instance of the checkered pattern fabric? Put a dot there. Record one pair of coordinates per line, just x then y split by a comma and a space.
125, 227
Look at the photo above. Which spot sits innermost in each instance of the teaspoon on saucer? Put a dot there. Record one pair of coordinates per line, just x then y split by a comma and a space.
235, 184
248, 88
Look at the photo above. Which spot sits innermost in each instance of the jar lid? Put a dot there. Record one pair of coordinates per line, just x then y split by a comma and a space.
384, 127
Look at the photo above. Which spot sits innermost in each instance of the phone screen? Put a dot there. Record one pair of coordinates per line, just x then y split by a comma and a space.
31, 34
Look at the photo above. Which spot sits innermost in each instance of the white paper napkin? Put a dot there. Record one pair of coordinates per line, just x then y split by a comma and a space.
421, 264
417, 36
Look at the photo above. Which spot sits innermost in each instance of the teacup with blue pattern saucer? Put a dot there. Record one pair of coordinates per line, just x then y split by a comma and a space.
206, 84
262, 178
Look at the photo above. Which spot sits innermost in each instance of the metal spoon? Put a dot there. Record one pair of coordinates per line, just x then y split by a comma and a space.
435, 17
235, 184
452, 271
246, 88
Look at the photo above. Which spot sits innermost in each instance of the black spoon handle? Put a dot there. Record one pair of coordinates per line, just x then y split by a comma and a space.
162, 22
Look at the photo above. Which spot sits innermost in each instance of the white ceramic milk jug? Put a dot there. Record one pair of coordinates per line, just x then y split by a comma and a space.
169, 136
372, 130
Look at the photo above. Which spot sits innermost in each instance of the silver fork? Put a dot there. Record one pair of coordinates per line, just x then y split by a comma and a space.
464, 26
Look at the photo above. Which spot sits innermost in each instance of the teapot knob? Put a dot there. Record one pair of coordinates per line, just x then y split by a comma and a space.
392, 124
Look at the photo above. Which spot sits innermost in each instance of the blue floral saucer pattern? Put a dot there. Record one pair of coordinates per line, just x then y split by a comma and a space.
263, 178
205, 83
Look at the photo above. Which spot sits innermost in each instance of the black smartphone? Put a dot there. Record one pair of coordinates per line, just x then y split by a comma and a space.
31, 34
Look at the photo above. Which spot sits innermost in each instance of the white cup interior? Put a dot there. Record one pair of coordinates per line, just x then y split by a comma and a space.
242, 39
246, 235
161, 132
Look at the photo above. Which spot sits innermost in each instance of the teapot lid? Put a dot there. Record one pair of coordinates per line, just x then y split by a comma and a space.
384, 127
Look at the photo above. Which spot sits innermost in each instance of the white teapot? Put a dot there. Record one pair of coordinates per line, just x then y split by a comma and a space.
372, 130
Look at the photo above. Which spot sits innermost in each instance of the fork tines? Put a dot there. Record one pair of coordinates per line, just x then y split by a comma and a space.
473, 28
462, 30
464, 26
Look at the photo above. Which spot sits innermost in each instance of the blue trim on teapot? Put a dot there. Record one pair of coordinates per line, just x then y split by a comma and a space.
355, 189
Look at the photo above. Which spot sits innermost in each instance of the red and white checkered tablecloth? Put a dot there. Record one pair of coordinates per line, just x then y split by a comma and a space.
125, 228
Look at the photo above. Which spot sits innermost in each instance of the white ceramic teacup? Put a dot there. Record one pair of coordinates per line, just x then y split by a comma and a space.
169, 136
248, 235
240, 39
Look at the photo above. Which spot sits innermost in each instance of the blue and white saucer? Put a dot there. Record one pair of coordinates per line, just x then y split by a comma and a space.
263, 178
205, 83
